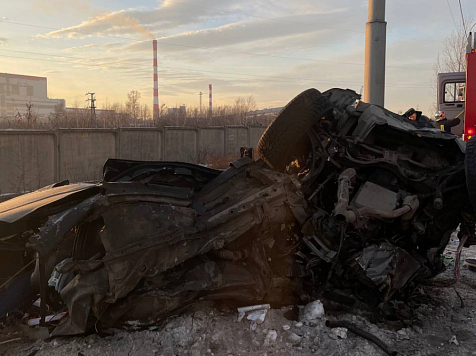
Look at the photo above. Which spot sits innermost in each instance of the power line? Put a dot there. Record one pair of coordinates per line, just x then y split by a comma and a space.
185, 70
165, 43
462, 17
256, 54
278, 19
263, 17
451, 12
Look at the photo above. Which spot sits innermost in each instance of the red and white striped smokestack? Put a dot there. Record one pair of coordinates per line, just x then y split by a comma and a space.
156, 82
210, 100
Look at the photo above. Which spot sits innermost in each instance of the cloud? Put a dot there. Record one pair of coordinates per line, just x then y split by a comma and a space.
291, 31
3, 41
110, 23
175, 16
94, 47
137, 21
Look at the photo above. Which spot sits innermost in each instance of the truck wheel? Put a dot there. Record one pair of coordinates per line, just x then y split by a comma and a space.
470, 169
290, 126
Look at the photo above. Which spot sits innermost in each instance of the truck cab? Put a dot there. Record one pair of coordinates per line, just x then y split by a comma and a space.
451, 97
457, 94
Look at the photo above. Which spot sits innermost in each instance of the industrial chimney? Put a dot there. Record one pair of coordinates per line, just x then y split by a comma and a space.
156, 82
210, 97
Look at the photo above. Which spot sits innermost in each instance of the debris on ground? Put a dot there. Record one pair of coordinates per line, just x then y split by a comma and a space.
454, 341
312, 312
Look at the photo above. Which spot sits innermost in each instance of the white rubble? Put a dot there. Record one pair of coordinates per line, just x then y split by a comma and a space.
312, 312
294, 338
271, 337
338, 333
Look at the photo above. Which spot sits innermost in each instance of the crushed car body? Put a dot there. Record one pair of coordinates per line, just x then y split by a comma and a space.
346, 197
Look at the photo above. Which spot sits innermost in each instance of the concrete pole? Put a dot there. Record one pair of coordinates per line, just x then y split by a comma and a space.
375, 47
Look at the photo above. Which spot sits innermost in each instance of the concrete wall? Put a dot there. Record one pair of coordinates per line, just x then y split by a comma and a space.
27, 161
212, 141
32, 159
235, 137
141, 144
180, 144
83, 153
255, 135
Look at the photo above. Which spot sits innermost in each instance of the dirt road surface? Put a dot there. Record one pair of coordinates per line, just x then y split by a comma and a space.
442, 323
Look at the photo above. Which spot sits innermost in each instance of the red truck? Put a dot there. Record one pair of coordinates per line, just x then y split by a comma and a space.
457, 94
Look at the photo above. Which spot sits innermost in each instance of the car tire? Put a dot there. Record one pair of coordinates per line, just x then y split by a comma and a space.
289, 127
470, 169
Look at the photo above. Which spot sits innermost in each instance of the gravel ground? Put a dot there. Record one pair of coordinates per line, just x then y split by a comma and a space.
206, 330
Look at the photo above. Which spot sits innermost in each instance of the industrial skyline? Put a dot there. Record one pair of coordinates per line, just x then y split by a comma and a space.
269, 50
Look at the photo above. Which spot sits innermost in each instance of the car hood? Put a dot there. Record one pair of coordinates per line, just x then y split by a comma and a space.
41, 203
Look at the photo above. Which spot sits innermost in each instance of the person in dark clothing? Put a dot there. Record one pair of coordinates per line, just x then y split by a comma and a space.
417, 118
443, 123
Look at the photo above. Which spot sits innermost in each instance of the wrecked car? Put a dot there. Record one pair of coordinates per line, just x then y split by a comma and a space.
345, 198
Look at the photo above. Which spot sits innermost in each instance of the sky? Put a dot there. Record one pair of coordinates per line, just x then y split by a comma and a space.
271, 50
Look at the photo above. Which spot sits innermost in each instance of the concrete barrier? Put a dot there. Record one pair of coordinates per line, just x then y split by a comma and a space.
31, 159
211, 141
255, 135
27, 160
180, 144
140, 144
83, 153
236, 137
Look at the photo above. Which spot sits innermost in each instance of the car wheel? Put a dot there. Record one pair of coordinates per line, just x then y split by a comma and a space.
470, 169
289, 127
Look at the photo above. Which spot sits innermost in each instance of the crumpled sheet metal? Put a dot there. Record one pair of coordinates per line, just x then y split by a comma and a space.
54, 231
386, 266
146, 244
79, 297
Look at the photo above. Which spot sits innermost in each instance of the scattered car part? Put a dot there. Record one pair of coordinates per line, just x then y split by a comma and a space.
362, 333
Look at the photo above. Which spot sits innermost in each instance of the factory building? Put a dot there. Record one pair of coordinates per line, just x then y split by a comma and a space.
16, 91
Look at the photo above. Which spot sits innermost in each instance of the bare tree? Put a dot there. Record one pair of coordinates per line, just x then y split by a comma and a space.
133, 104
58, 118
30, 116
145, 112
453, 56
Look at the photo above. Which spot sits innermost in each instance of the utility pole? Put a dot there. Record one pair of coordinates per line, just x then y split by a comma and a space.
92, 107
200, 102
375, 47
